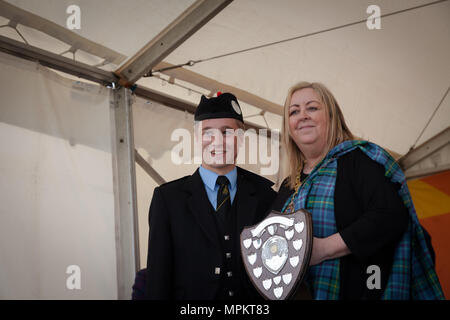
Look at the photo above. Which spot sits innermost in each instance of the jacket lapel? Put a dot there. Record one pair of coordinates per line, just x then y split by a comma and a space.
247, 202
200, 206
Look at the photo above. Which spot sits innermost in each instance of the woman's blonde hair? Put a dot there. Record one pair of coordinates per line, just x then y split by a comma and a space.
337, 129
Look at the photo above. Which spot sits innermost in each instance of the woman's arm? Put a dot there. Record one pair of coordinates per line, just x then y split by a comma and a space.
328, 248
380, 220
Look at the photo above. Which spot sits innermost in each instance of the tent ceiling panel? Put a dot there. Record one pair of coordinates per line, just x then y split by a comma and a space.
19, 17
382, 78
388, 81
123, 26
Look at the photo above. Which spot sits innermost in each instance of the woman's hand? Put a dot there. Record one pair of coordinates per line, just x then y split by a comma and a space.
328, 248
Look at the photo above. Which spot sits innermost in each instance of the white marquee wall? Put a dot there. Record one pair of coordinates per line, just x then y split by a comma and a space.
56, 186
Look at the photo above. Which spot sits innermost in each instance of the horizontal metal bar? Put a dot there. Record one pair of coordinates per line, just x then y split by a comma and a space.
165, 99
182, 105
420, 173
427, 148
52, 60
95, 74
213, 85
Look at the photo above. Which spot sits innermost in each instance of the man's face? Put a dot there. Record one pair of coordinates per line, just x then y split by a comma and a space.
219, 140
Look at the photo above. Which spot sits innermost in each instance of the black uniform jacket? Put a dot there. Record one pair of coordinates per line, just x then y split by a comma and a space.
184, 249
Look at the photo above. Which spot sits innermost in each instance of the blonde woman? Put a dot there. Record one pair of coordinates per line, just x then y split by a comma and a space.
363, 219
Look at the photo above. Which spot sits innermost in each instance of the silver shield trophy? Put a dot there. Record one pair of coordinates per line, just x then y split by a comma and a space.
276, 253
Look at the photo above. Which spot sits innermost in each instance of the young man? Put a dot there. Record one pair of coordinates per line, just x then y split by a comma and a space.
195, 222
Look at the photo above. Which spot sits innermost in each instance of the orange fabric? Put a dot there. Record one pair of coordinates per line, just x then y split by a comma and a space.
428, 200
440, 181
439, 229
431, 198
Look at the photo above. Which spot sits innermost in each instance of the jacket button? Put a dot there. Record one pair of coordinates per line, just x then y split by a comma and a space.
229, 274
227, 237
230, 293
217, 270
228, 255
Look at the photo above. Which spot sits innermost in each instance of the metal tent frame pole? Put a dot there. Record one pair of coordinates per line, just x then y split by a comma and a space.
172, 36
125, 200
425, 150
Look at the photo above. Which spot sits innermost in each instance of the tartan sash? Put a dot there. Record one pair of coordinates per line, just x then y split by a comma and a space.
412, 275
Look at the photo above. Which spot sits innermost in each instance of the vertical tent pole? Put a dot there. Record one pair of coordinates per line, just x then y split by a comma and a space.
124, 175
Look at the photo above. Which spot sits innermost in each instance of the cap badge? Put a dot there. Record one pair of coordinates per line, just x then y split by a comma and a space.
236, 107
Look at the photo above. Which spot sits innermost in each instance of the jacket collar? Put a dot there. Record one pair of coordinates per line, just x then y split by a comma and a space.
209, 178
200, 207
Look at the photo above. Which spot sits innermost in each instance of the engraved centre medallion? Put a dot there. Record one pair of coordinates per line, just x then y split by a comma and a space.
274, 253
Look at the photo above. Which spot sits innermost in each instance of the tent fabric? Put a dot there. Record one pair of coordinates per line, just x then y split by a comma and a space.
431, 197
388, 81
56, 188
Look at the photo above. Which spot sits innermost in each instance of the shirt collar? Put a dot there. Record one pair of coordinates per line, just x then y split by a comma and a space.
209, 177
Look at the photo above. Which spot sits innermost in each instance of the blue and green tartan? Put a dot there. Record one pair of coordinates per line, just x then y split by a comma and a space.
412, 276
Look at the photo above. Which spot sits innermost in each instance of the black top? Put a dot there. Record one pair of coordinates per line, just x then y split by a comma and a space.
370, 217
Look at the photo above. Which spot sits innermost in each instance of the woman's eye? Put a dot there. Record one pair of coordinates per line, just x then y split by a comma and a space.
312, 108
293, 112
